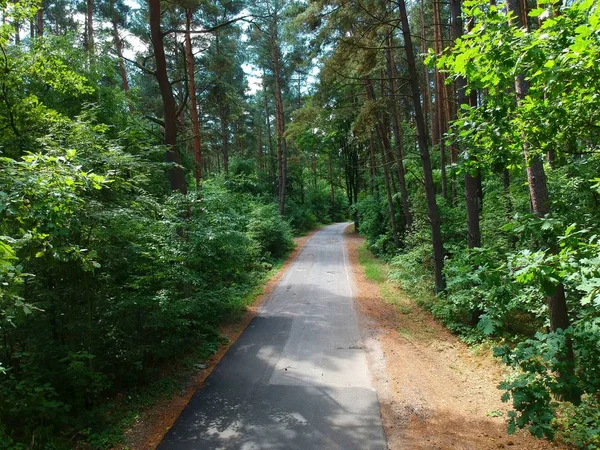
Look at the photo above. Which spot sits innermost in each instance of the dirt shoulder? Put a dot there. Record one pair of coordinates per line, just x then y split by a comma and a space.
435, 393
154, 422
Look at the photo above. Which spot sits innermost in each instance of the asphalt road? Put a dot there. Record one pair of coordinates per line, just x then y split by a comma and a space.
297, 378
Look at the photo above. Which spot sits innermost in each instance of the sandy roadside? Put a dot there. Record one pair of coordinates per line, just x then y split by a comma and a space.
434, 392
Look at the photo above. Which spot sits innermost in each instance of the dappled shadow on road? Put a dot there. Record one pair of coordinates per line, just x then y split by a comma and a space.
281, 417
296, 379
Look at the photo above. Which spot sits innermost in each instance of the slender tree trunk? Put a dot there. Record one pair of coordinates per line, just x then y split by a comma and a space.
383, 138
536, 175
355, 181
259, 148
434, 220
427, 100
540, 200
119, 49
272, 158
224, 137
181, 84
90, 25
428, 109
398, 137
452, 112
176, 174
193, 100
471, 177
279, 120
17, 27
40, 22
331, 188
372, 166
314, 167
441, 101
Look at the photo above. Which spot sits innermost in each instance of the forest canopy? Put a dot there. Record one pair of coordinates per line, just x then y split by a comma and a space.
156, 158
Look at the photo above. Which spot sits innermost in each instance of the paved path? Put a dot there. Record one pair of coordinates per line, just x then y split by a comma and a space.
297, 378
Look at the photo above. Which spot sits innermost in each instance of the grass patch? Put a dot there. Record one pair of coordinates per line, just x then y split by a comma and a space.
378, 271
258, 289
375, 270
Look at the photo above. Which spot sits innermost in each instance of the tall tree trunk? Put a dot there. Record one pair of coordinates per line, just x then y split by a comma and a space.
385, 148
17, 26
225, 138
40, 21
434, 220
314, 166
397, 130
259, 148
452, 113
90, 25
540, 201
372, 166
441, 100
273, 161
193, 100
471, 178
331, 188
279, 120
119, 49
176, 174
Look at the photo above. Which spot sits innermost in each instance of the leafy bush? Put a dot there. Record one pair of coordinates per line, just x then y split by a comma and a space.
579, 425
272, 234
372, 217
105, 282
541, 375
301, 217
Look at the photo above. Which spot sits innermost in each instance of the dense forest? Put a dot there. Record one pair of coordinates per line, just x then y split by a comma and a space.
157, 158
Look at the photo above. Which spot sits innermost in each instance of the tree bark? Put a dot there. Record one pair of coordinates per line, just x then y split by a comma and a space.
193, 100
90, 25
273, 162
540, 200
331, 187
441, 100
40, 22
434, 220
398, 137
176, 174
119, 49
224, 137
279, 119
385, 148
472, 181
17, 27
372, 167
259, 148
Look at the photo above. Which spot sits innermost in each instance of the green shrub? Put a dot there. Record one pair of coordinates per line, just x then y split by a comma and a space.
270, 231
579, 425
373, 226
301, 217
